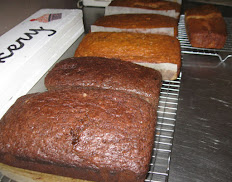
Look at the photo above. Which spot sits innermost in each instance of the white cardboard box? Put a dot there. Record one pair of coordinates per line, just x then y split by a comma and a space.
29, 49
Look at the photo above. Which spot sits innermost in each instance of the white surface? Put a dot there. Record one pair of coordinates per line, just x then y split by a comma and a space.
112, 10
97, 3
163, 30
168, 70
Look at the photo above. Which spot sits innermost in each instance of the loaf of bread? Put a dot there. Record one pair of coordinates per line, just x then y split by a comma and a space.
161, 52
112, 74
96, 135
166, 8
205, 27
139, 23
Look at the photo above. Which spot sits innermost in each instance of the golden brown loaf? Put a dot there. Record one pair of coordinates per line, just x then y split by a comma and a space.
112, 74
147, 4
140, 23
161, 52
144, 6
96, 135
205, 27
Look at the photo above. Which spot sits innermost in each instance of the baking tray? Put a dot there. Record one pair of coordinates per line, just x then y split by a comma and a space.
186, 48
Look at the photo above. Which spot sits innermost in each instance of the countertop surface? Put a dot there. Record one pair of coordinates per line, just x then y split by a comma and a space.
202, 149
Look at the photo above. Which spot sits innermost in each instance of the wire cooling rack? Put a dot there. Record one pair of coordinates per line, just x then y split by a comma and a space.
159, 167
223, 54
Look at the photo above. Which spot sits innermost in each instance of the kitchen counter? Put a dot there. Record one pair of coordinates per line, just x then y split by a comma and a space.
202, 149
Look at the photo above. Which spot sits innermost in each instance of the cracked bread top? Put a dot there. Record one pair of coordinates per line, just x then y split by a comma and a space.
90, 129
112, 74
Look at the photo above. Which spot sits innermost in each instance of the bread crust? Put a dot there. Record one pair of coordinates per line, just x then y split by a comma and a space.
205, 27
134, 47
138, 22
98, 135
147, 4
111, 74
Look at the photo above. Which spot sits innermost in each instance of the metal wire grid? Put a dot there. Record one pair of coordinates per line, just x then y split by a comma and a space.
188, 49
159, 167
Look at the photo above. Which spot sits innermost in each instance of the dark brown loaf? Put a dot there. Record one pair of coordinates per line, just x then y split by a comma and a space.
205, 27
140, 23
99, 135
161, 52
113, 74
